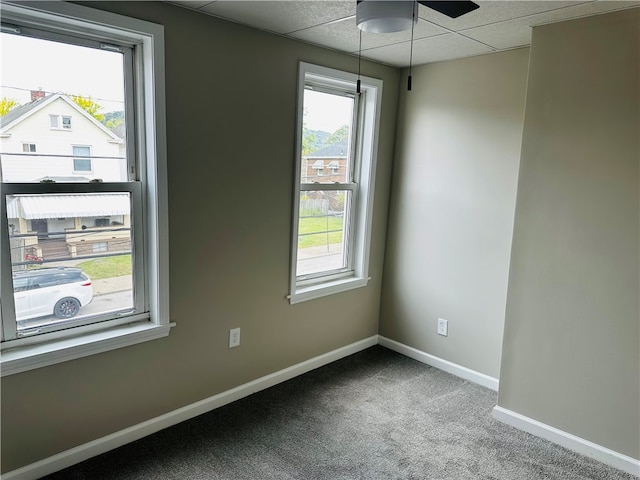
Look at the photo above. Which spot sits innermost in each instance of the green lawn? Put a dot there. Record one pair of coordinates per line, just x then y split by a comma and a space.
116, 266
107, 267
319, 226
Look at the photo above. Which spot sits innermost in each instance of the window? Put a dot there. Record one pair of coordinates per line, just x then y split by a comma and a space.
318, 166
332, 213
57, 122
81, 164
29, 147
52, 223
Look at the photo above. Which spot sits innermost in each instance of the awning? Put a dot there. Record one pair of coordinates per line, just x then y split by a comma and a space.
70, 205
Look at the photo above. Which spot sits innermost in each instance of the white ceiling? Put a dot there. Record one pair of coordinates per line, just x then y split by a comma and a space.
495, 26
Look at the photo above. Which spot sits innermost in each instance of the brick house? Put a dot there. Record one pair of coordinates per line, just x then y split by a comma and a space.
327, 165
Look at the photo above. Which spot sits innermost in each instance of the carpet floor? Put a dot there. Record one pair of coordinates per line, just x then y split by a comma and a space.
373, 415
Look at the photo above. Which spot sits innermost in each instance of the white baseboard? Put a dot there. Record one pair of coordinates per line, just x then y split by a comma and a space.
445, 365
96, 447
568, 440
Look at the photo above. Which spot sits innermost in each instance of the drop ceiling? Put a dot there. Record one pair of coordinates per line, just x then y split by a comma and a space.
495, 26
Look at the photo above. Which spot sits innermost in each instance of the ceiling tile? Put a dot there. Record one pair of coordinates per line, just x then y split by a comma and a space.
345, 35
281, 17
491, 12
426, 50
496, 25
516, 33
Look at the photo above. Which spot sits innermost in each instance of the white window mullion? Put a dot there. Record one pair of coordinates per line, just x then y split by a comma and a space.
139, 260
329, 187
7, 307
132, 112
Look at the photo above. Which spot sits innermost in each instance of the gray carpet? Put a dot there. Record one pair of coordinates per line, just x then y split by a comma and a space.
373, 415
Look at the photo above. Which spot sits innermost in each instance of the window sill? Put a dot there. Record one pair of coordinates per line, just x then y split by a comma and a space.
29, 357
309, 292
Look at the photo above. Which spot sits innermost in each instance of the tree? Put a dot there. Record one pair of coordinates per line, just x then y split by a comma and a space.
89, 105
308, 141
6, 105
113, 119
339, 135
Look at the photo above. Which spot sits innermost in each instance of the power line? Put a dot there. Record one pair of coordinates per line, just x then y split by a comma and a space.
51, 93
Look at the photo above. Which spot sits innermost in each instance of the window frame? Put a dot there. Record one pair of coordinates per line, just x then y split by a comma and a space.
149, 147
75, 157
361, 183
60, 124
7, 309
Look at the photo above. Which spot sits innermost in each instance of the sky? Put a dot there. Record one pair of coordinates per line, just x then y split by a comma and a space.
31, 64
326, 112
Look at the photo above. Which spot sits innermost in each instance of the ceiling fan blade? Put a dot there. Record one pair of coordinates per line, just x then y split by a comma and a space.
453, 8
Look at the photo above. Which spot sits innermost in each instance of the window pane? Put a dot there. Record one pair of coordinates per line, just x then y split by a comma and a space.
64, 95
70, 257
81, 151
326, 138
322, 231
82, 164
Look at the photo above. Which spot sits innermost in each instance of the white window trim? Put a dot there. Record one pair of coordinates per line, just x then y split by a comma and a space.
371, 102
81, 157
30, 353
59, 122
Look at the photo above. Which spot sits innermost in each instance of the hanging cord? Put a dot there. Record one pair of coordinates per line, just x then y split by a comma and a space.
359, 58
413, 23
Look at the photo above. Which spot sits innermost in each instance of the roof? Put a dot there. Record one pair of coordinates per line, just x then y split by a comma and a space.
22, 112
119, 130
337, 150
63, 206
18, 112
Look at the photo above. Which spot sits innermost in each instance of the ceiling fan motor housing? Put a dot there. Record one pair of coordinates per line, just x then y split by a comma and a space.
386, 16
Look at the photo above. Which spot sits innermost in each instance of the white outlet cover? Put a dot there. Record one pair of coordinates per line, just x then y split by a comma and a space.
443, 327
234, 337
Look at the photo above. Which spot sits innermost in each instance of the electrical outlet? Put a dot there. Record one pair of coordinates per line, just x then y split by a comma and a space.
234, 337
443, 327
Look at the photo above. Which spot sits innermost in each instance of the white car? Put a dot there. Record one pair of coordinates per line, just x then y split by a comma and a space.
51, 291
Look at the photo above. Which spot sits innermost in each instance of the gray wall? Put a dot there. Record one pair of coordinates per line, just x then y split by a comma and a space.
230, 133
571, 341
451, 218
